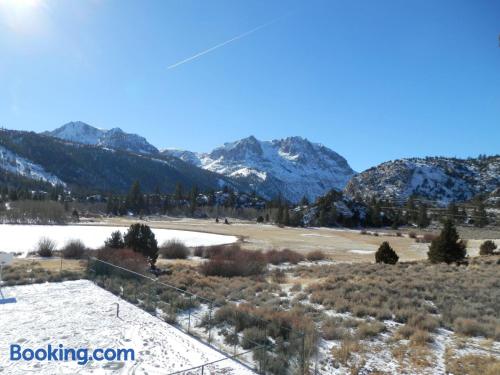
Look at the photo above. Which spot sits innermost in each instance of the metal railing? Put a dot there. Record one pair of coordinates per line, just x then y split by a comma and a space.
196, 316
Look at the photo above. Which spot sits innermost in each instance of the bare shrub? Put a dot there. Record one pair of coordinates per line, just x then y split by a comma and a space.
424, 322
470, 327
284, 256
368, 330
174, 249
405, 331
74, 249
199, 251
253, 337
473, 364
296, 287
347, 348
331, 329
278, 276
220, 250
487, 248
315, 256
45, 247
233, 262
420, 338
126, 258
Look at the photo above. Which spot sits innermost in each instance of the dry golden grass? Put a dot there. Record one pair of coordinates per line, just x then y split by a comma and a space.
347, 348
414, 293
336, 244
473, 364
53, 264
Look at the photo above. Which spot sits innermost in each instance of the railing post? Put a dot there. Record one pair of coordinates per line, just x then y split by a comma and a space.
234, 340
210, 323
303, 353
189, 313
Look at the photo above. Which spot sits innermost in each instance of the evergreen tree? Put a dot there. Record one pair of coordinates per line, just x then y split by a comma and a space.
178, 194
135, 199
423, 219
411, 210
462, 216
373, 215
280, 215
193, 203
480, 216
75, 215
115, 241
304, 201
286, 216
141, 239
447, 247
386, 254
452, 212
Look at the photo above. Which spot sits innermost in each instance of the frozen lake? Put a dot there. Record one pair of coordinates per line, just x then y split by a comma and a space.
24, 238
78, 314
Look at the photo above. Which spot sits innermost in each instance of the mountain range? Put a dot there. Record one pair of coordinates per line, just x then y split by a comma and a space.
292, 167
114, 138
81, 156
438, 179
84, 167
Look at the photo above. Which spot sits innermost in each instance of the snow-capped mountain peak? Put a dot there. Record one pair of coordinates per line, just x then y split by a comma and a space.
438, 179
291, 167
114, 138
78, 131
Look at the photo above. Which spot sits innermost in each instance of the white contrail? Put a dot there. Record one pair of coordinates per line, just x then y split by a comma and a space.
223, 43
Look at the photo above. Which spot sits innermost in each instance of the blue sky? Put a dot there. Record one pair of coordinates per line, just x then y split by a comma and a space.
373, 80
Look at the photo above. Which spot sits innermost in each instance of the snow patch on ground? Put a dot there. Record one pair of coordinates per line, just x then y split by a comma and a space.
362, 251
24, 238
78, 314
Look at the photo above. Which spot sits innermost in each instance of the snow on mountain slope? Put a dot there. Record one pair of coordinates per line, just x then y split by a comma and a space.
439, 179
292, 167
18, 165
114, 138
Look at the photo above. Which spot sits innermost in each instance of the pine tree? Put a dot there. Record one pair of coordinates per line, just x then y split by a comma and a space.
462, 216
447, 247
411, 210
286, 216
480, 216
193, 203
141, 239
135, 199
304, 201
178, 194
452, 212
280, 215
423, 219
115, 241
386, 254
